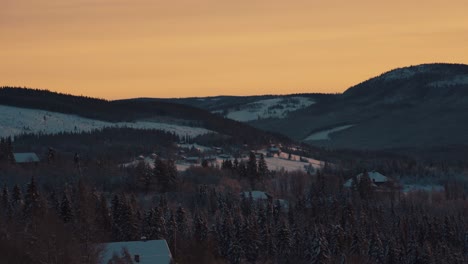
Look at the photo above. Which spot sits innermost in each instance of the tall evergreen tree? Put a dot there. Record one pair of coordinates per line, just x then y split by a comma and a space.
65, 209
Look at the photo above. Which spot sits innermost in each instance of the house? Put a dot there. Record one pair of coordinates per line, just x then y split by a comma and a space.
273, 149
143, 251
25, 158
377, 179
263, 196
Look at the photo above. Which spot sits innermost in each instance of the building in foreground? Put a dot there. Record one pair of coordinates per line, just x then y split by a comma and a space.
143, 251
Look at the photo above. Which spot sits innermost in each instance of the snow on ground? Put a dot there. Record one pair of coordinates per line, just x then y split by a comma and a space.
325, 134
419, 187
15, 121
268, 108
275, 163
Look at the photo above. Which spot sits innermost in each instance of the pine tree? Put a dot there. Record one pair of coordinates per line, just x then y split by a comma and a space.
262, 168
283, 238
161, 174
181, 220
365, 186
160, 231
103, 220
321, 252
5, 198
235, 253
7, 209
200, 228
65, 209
252, 171
32, 204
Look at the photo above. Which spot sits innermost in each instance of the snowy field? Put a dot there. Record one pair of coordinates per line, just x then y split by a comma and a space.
274, 163
268, 108
325, 134
15, 121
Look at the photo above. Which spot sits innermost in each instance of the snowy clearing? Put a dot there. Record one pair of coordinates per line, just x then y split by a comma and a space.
16, 121
325, 134
268, 108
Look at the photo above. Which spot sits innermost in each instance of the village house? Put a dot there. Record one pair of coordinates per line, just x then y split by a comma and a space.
141, 252
273, 150
377, 179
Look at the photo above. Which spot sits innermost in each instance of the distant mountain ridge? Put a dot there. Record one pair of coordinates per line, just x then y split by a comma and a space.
129, 111
417, 106
411, 107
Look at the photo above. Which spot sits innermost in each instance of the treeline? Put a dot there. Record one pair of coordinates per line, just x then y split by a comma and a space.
114, 143
6, 150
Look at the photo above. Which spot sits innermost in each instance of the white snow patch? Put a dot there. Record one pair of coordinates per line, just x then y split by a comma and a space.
16, 121
268, 108
325, 134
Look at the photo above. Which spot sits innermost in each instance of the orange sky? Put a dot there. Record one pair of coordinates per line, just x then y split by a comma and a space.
179, 48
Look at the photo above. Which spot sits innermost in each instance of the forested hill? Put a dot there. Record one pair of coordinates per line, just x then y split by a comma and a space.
127, 110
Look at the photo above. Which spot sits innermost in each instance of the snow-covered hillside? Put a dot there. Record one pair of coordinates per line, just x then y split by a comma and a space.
15, 121
267, 108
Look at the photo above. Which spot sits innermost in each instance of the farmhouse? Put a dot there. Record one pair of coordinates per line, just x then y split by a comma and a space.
272, 150
143, 252
377, 179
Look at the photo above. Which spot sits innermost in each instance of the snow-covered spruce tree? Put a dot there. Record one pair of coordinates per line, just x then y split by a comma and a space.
283, 242
65, 209
262, 168
200, 228
17, 196
235, 253
181, 220
252, 170
321, 253
33, 208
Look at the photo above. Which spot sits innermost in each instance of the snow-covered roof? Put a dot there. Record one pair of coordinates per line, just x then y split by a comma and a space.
256, 195
150, 252
374, 176
28, 157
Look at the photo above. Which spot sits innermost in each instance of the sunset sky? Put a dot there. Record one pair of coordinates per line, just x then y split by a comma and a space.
179, 48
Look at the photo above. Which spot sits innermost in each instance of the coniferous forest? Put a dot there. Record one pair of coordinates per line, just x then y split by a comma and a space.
61, 209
